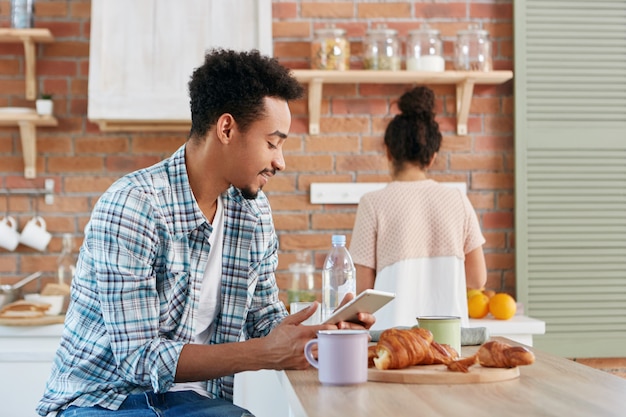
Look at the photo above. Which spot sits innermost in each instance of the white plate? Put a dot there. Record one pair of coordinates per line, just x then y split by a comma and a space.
17, 110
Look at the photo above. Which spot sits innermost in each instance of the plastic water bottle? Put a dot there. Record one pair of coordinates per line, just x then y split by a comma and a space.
338, 276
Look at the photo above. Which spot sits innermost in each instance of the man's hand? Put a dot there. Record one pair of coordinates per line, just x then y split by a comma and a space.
366, 320
302, 315
284, 345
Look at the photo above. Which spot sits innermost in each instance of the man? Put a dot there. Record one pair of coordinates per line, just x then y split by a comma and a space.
174, 290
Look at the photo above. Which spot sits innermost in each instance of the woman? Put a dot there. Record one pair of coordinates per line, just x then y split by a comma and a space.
416, 237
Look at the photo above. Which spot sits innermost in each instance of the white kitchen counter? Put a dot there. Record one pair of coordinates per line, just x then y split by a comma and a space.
29, 343
26, 354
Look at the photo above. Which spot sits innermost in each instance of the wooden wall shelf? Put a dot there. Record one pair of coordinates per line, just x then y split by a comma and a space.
28, 123
143, 125
464, 81
28, 37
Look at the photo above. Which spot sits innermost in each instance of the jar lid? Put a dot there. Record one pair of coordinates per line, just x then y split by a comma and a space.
382, 31
330, 31
424, 31
473, 30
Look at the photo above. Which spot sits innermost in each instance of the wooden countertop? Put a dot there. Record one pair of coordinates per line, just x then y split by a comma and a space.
552, 386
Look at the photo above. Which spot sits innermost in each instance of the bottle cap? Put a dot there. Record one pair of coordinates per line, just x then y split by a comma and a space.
339, 239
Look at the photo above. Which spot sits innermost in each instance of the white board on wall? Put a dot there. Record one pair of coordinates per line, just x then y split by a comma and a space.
351, 192
142, 52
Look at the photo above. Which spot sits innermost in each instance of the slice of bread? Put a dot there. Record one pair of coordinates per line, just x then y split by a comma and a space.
24, 309
24, 314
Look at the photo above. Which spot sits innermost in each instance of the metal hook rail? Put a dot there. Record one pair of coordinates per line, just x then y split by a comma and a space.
47, 191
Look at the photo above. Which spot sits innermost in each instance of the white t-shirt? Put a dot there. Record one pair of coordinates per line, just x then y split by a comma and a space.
210, 299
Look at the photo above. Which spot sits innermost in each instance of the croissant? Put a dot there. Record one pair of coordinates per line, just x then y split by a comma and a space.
494, 354
401, 348
371, 354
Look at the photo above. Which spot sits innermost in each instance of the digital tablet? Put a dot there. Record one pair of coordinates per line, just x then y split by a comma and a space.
369, 301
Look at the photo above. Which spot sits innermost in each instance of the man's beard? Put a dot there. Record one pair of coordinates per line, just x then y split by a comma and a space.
249, 194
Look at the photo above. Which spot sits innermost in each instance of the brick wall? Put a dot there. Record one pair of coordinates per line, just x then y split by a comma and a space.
84, 161
354, 118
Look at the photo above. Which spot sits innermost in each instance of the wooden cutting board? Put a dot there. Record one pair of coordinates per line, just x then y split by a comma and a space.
34, 321
439, 374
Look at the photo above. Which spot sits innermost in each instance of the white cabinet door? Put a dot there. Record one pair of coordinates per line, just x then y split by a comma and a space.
142, 52
22, 384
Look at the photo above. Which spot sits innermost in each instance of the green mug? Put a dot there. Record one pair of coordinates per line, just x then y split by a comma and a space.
445, 329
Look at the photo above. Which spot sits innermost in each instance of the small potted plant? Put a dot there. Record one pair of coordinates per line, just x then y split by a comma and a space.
44, 104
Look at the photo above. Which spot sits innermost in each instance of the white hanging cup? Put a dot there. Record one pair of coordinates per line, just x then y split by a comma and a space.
9, 236
35, 234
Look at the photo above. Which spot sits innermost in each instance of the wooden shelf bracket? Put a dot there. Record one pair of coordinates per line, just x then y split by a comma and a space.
28, 136
28, 37
464, 92
28, 123
315, 104
31, 64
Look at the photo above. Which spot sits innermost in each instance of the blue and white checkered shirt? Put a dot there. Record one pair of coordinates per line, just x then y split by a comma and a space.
137, 285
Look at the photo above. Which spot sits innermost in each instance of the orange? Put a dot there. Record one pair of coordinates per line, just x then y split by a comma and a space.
489, 293
478, 306
502, 306
472, 291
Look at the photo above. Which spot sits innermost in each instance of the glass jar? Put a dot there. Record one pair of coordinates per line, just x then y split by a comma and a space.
472, 50
22, 14
66, 263
330, 50
424, 50
382, 50
302, 288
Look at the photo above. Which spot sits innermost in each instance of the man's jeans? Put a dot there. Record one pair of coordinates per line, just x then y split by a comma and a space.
170, 404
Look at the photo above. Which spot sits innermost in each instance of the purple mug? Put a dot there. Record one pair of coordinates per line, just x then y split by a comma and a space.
342, 356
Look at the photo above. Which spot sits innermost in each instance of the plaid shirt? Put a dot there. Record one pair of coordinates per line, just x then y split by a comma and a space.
137, 285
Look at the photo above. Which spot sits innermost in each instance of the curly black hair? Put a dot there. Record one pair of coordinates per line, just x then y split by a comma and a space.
413, 135
236, 83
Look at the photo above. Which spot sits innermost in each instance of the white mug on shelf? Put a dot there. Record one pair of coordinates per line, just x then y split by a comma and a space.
35, 234
9, 236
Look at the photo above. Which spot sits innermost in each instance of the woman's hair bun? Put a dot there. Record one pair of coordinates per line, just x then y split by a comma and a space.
416, 101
